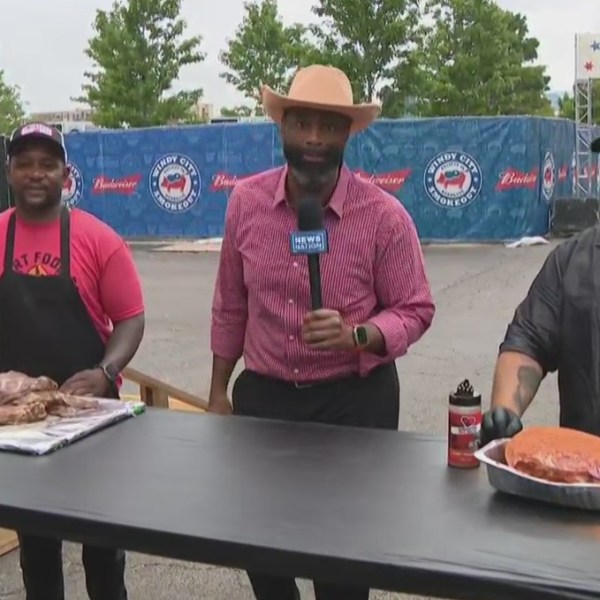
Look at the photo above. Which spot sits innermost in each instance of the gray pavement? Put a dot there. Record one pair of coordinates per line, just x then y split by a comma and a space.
476, 289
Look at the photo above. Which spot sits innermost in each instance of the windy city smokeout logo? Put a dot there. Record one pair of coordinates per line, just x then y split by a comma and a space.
390, 181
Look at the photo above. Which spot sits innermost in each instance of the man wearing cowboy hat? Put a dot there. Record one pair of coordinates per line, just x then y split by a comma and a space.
334, 365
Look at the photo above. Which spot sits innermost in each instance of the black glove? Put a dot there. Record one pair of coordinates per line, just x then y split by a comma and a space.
499, 423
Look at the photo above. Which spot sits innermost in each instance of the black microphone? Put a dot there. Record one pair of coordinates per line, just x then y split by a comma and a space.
312, 241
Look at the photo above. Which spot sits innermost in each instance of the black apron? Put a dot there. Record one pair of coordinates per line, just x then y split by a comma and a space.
45, 328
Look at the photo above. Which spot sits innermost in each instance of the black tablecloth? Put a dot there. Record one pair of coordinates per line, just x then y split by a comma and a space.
352, 505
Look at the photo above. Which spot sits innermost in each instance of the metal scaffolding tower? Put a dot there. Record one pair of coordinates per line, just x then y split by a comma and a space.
583, 138
587, 71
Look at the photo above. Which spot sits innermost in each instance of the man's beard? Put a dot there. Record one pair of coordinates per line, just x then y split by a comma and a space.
40, 202
313, 176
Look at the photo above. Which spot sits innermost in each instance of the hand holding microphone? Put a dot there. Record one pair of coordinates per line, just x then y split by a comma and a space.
323, 329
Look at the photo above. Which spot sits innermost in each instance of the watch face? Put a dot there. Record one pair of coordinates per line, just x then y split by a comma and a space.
361, 336
111, 372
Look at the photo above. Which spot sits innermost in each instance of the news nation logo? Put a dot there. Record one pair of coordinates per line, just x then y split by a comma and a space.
308, 242
72, 189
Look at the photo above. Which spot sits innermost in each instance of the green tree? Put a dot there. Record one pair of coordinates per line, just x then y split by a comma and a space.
237, 111
476, 60
370, 41
263, 50
12, 113
138, 50
566, 104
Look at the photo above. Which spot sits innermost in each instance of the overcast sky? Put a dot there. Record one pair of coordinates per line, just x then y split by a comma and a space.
42, 42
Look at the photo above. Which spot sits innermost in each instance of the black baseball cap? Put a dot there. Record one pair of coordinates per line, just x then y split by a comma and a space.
595, 145
40, 131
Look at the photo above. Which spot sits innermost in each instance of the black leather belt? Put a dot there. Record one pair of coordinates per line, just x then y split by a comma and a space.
300, 385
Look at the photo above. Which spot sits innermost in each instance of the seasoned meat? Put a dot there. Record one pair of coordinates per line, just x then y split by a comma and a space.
58, 404
556, 454
50, 399
22, 414
26, 399
72, 406
14, 385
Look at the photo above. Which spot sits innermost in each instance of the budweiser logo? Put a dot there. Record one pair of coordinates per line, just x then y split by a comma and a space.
110, 185
392, 181
223, 181
512, 179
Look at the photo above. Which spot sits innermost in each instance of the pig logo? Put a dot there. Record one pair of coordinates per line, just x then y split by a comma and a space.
175, 183
452, 179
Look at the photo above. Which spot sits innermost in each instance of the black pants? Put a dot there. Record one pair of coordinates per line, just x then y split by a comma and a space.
41, 564
372, 401
42, 568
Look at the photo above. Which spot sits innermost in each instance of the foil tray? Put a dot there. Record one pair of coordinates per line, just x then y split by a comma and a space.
510, 481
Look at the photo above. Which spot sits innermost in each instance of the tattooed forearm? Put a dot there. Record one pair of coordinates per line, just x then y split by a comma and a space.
529, 379
516, 381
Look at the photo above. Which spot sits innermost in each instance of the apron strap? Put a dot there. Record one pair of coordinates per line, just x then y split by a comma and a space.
65, 243
9, 250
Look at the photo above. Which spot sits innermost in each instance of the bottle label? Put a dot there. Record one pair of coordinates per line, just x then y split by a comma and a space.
463, 438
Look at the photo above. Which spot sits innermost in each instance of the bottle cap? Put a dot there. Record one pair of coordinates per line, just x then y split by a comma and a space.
465, 395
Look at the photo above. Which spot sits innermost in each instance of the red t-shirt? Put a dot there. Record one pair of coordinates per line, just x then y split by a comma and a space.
101, 264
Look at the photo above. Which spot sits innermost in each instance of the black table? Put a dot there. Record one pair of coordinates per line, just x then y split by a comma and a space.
359, 506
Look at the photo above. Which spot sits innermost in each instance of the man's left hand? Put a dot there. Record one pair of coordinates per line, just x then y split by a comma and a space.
325, 329
91, 382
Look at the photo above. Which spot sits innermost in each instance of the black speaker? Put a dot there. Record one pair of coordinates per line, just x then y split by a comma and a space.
572, 215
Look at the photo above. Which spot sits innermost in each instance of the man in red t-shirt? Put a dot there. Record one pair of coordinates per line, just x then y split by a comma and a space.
71, 308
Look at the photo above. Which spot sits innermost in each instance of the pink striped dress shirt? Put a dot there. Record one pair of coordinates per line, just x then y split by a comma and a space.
374, 271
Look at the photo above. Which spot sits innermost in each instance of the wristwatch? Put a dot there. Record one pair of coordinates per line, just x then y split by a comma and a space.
110, 371
360, 337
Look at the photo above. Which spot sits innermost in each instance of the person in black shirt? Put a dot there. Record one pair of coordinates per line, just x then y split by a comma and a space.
556, 328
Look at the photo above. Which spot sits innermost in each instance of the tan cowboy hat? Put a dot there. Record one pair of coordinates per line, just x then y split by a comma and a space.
323, 88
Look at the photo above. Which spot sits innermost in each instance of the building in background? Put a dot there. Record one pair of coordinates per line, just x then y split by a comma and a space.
80, 119
204, 111
68, 121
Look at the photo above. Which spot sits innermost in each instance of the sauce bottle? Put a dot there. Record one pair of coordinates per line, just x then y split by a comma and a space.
464, 424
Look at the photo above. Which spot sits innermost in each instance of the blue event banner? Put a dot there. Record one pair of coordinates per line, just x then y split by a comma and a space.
461, 179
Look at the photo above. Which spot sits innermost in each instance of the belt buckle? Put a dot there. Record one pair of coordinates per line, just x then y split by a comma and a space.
302, 386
